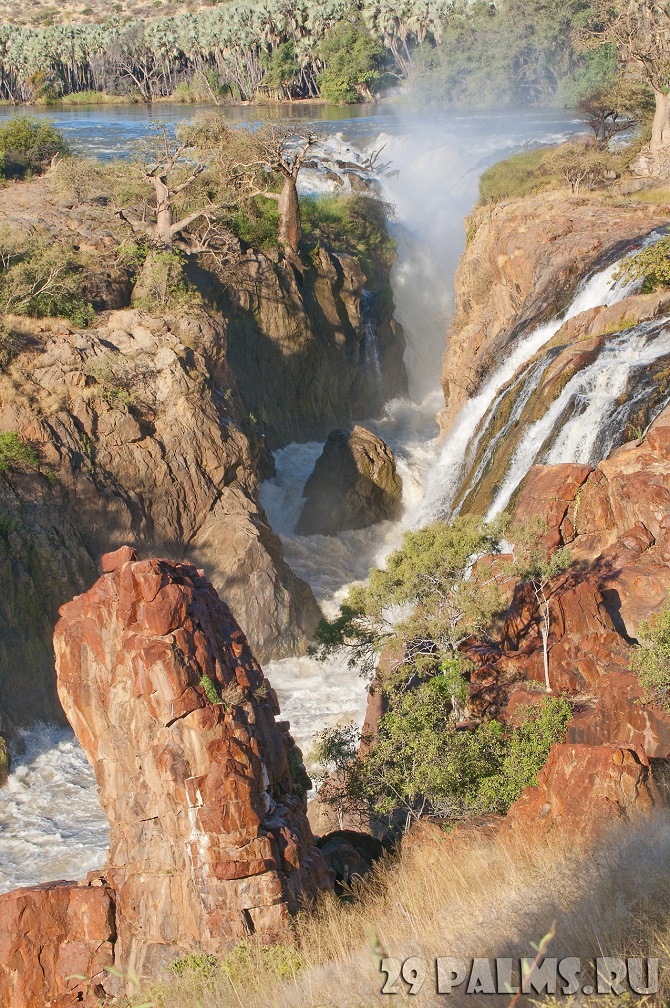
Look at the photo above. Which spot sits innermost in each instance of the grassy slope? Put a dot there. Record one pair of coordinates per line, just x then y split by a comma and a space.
464, 898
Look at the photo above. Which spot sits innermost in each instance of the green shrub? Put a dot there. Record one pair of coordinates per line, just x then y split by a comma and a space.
651, 658
16, 454
356, 224
210, 689
42, 280
162, 284
519, 175
651, 265
352, 61
28, 145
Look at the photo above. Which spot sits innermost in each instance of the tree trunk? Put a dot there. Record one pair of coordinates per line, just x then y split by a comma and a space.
290, 230
660, 131
163, 213
545, 656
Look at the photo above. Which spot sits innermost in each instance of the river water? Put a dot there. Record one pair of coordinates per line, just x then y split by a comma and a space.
51, 825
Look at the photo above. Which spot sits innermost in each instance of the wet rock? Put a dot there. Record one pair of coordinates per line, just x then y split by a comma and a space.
50, 936
354, 484
209, 839
523, 261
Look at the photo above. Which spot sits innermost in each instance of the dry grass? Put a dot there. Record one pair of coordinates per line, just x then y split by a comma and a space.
473, 897
42, 12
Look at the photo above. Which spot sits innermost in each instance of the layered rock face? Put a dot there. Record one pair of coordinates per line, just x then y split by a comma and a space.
297, 345
354, 484
141, 438
615, 519
522, 262
50, 937
209, 839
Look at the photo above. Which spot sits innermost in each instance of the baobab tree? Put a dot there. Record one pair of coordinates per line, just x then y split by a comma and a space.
167, 166
640, 32
258, 162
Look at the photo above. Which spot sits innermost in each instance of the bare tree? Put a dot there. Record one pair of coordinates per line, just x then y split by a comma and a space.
640, 31
167, 167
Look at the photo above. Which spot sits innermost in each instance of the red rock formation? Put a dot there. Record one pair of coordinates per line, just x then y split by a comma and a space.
583, 790
208, 838
50, 936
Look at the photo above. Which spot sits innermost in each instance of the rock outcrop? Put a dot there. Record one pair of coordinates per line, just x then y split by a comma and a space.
523, 260
51, 937
209, 839
141, 438
354, 484
297, 344
582, 791
615, 519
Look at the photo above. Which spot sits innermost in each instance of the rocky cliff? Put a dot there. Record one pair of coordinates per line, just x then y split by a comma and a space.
523, 260
148, 426
202, 786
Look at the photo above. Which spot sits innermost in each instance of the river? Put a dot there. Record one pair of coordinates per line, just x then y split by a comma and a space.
51, 825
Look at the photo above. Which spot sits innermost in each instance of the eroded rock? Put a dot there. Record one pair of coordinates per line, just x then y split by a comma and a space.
209, 838
354, 484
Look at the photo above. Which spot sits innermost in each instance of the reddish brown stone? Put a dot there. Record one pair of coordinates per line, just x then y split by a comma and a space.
207, 839
50, 935
112, 561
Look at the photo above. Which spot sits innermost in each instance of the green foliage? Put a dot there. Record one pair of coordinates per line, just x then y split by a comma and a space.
422, 603
210, 689
257, 223
16, 454
651, 265
352, 60
282, 68
162, 283
201, 964
519, 175
356, 224
28, 145
42, 280
418, 764
651, 658
281, 961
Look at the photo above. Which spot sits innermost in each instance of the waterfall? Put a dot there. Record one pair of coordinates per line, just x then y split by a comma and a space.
463, 440
371, 359
588, 418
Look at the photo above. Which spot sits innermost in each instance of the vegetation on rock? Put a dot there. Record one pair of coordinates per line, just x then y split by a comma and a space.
651, 658
28, 146
651, 265
15, 454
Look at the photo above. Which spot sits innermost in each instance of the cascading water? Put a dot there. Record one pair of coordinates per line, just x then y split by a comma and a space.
579, 425
371, 358
51, 825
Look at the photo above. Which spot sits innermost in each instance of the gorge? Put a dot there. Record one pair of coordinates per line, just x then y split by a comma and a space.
556, 391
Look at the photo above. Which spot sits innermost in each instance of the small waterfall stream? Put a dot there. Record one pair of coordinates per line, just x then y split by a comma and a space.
588, 419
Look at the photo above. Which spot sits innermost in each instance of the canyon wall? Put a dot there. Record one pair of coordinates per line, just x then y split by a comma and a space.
150, 426
522, 262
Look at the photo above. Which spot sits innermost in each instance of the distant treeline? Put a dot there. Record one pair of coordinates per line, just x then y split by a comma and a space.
481, 52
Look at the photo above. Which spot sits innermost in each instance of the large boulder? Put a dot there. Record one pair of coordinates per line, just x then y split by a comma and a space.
354, 484
52, 937
203, 788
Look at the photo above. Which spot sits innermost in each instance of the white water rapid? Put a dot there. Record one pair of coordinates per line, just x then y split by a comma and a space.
51, 825
580, 419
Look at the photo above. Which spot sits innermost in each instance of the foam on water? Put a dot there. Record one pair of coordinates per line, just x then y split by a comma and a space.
51, 824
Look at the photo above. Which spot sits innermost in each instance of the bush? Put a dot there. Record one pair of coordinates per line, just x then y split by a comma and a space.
352, 60
651, 658
16, 454
651, 265
28, 145
44, 281
418, 764
355, 224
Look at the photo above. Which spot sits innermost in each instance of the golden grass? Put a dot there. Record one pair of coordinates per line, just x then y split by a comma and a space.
472, 897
